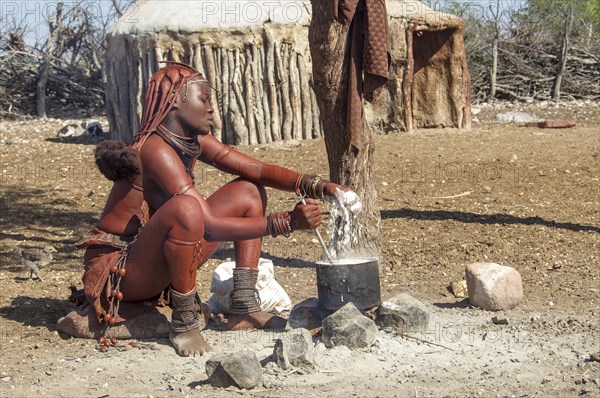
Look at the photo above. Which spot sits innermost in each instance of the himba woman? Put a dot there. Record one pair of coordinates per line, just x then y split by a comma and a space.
157, 228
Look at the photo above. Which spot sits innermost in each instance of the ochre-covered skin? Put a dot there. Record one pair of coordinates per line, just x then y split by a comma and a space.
178, 210
122, 213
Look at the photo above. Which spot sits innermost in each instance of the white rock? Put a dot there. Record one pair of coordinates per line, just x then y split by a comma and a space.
493, 286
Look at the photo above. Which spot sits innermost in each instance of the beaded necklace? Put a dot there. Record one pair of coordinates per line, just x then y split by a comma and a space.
188, 147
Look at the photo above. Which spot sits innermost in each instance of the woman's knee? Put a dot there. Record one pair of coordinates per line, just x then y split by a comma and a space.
255, 195
186, 216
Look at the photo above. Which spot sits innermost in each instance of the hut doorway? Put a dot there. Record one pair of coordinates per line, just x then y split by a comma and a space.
436, 76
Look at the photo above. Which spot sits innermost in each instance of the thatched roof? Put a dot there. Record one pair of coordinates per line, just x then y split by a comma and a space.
196, 15
225, 24
192, 16
414, 10
256, 53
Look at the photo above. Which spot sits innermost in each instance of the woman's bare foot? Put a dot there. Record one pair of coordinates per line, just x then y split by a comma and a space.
255, 320
189, 343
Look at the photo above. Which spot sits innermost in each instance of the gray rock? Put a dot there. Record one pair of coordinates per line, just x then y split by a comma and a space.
348, 327
494, 287
240, 369
295, 348
404, 313
516, 117
307, 315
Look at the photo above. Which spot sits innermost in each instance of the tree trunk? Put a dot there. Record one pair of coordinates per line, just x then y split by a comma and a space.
564, 53
494, 71
330, 50
55, 30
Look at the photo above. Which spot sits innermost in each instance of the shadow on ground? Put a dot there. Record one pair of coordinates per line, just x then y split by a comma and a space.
468, 217
39, 210
35, 312
228, 253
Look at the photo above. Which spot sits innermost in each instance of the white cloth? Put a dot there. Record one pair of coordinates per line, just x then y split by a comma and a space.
349, 199
272, 296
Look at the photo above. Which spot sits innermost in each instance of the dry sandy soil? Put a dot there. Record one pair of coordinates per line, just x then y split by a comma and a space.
523, 197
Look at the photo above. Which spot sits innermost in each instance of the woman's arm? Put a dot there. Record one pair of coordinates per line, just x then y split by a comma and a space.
230, 160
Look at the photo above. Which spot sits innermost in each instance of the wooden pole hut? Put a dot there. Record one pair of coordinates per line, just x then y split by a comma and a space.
254, 53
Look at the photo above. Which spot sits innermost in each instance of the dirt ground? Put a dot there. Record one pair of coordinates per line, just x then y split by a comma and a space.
523, 197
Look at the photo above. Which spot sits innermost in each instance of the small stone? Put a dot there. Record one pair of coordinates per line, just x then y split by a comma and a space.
404, 313
459, 289
7, 378
307, 315
494, 287
241, 369
295, 348
595, 357
348, 327
500, 320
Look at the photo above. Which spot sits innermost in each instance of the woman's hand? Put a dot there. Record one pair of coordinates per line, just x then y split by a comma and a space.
306, 216
331, 187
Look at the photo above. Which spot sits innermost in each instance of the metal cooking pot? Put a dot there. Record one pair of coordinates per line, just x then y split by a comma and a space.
348, 281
